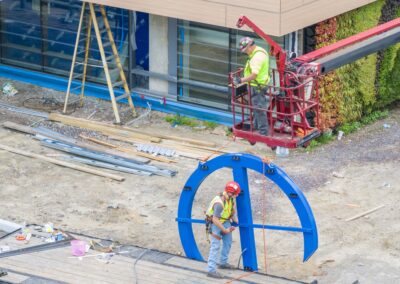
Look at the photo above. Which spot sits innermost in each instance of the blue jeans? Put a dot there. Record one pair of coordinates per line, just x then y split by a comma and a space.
215, 247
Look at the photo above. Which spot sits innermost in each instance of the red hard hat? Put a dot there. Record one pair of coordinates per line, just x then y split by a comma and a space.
232, 187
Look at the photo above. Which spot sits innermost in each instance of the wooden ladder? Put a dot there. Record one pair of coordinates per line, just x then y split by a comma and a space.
91, 19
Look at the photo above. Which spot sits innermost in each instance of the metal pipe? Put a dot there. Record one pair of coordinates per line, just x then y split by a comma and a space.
24, 110
105, 157
99, 164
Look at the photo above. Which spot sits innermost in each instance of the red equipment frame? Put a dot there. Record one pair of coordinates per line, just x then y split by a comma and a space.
324, 51
289, 103
293, 110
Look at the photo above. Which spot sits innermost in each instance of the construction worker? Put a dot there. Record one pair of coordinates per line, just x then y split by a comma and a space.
222, 212
256, 72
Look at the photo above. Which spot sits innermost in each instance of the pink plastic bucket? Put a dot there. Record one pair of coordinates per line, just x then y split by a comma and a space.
78, 247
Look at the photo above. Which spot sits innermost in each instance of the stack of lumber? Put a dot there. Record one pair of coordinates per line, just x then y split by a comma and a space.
87, 154
185, 147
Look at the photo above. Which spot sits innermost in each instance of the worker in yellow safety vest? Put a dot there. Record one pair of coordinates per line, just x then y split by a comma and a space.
221, 212
257, 74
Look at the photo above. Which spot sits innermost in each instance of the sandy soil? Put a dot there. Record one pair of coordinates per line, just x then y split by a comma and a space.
340, 180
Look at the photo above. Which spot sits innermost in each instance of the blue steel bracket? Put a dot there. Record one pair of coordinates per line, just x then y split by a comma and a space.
240, 163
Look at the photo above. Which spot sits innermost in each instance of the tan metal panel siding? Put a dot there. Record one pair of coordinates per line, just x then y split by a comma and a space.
293, 4
267, 21
194, 10
275, 17
264, 5
314, 12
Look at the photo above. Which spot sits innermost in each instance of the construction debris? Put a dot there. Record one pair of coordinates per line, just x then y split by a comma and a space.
42, 247
8, 89
41, 132
104, 128
155, 150
103, 157
126, 150
24, 110
122, 131
110, 166
61, 163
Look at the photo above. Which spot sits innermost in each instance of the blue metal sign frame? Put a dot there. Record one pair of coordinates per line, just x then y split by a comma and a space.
239, 163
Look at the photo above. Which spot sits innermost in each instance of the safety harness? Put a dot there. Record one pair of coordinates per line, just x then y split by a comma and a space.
228, 209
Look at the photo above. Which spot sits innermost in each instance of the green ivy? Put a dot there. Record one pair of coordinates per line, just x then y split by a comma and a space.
389, 75
358, 78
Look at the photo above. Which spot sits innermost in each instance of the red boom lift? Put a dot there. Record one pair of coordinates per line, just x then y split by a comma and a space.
293, 110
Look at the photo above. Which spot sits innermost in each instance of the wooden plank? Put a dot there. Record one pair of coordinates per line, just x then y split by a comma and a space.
47, 271
12, 277
187, 140
103, 143
105, 64
129, 139
199, 265
108, 129
33, 131
71, 73
57, 261
365, 213
120, 265
117, 59
195, 147
90, 269
85, 61
62, 163
123, 131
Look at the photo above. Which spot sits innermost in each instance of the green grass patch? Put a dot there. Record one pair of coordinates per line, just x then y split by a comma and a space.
325, 138
178, 119
210, 124
368, 119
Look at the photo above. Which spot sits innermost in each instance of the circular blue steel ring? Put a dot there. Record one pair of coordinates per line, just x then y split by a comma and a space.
239, 163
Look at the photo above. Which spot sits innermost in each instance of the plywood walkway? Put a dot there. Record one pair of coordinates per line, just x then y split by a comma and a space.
137, 266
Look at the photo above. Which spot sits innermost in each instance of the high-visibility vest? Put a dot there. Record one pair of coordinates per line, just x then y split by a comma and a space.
226, 212
262, 78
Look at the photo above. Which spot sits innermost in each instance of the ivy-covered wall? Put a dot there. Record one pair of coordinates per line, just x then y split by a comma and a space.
368, 84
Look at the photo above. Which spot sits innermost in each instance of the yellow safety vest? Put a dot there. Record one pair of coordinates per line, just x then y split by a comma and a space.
262, 78
226, 212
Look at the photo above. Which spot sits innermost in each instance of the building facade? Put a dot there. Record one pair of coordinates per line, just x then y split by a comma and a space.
177, 54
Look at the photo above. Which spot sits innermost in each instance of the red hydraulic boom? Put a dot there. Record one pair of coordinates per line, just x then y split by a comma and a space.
293, 110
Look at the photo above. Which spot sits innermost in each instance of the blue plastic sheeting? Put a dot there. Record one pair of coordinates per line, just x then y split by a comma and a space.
94, 90
240, 163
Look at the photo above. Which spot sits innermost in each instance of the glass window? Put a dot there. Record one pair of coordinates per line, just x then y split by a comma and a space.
60, 24
140, 49
41, 34
206, 54
203, 63
21, 35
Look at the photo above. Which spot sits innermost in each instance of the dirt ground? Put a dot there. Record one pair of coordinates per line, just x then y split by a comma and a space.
340, 180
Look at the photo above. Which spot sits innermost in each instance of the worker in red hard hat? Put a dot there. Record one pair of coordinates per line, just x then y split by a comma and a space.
221, 212
257, 74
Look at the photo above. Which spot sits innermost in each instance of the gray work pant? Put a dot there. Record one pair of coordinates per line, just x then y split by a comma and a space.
259, 99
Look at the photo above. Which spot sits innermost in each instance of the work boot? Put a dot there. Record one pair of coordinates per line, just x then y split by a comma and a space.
215, 274
226, 266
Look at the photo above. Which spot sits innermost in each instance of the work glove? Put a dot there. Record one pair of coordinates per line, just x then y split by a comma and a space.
236, 80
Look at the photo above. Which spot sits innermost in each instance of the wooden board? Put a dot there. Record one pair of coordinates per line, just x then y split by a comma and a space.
59, 265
